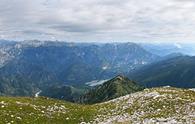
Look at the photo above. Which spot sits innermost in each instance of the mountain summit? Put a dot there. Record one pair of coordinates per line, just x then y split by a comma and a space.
116, 87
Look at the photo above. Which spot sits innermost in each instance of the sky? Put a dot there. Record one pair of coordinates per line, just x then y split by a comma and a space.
98, 20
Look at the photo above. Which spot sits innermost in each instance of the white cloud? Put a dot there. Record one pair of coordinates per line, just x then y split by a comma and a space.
98, 20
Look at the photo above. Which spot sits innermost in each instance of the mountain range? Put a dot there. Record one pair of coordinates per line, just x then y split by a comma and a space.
163, 49
32, 66
76, 83
36, 65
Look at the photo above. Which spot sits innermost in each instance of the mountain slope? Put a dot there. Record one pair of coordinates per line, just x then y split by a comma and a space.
67, 93
8, 51
159, 105
177, 72
116, 87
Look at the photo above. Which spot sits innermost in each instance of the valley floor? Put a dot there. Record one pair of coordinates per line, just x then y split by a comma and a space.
156, 105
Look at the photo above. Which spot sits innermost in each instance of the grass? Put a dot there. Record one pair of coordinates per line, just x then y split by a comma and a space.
167, 103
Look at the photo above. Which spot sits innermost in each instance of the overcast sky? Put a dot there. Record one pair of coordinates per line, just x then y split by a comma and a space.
98, 20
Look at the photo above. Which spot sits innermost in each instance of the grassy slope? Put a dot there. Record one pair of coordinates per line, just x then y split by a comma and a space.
159, 104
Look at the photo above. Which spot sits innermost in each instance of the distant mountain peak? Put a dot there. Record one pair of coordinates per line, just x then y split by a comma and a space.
177, 45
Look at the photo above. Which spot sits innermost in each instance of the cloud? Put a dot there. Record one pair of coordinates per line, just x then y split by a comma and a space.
98, 20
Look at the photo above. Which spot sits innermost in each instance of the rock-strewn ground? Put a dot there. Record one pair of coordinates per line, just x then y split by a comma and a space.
151, 106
